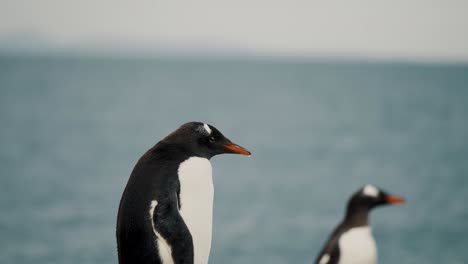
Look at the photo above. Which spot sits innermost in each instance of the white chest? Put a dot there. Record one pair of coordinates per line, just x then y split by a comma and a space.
357, 246
196, 200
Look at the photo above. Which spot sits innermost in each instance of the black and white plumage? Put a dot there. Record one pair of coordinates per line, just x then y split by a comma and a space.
352, 241
165, 213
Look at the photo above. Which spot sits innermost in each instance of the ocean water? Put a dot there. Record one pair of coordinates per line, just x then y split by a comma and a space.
72, 129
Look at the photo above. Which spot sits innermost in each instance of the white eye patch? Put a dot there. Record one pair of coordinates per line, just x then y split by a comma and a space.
205, 129
370, 190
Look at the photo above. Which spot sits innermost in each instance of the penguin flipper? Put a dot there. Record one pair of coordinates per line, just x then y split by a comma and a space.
330, 254
172, 232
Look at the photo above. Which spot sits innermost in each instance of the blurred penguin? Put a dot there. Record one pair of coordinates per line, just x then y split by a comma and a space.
352, 241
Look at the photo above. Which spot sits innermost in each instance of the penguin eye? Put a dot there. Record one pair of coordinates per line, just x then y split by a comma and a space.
212, 139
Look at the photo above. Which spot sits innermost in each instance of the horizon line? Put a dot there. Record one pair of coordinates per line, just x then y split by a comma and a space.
228, 55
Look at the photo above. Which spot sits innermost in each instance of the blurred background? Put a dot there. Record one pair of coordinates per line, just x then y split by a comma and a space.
328, 97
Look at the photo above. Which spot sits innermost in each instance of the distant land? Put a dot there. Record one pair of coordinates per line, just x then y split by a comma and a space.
28, 44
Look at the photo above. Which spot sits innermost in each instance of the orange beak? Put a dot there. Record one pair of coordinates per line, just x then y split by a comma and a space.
233, 148
390, 199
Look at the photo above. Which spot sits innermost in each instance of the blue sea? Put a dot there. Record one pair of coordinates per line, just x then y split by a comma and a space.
72, 128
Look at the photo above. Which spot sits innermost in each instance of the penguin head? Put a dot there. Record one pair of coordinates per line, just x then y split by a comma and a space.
370, 196
204, 140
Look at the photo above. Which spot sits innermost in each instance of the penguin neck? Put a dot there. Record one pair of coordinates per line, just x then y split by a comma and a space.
357, 216
185, 150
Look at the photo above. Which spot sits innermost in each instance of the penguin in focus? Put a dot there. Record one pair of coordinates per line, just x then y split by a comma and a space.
165, 214
352, 241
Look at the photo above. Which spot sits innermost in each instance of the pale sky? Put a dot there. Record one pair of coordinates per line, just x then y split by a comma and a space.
406, 29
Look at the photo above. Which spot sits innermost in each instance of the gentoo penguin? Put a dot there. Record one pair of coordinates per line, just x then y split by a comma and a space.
165, 213
352, 241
